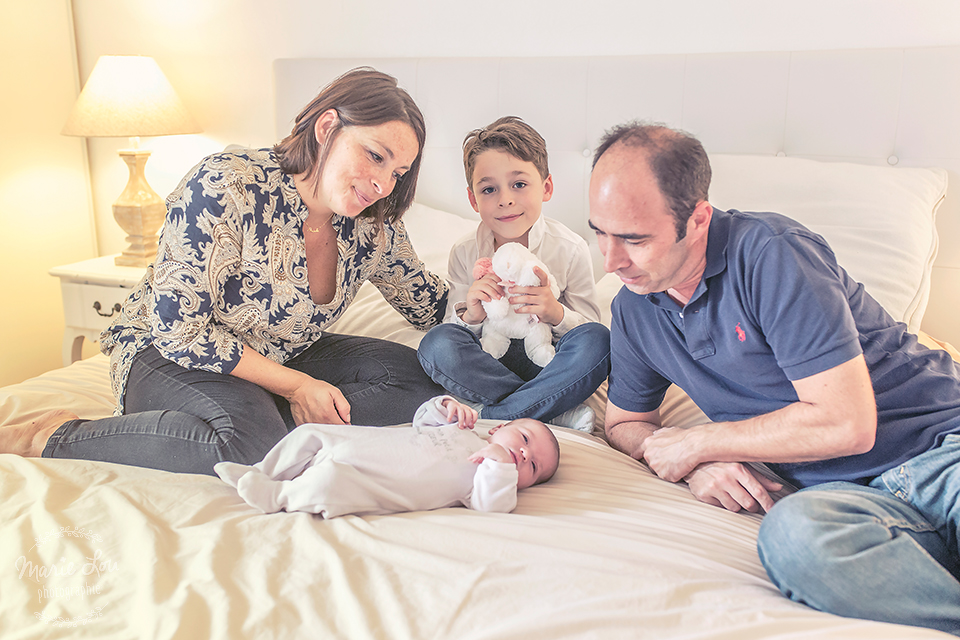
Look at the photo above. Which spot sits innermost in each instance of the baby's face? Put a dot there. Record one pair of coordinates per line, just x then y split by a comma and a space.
532, 447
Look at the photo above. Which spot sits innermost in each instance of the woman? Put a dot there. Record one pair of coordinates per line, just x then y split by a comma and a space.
220, 349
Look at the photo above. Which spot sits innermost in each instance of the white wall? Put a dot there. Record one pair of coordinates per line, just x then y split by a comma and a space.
218, 53
45, 210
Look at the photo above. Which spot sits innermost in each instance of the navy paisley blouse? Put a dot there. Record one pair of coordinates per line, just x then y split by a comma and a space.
231, 270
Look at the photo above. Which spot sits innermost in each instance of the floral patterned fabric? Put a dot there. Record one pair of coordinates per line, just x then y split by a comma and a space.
231, 270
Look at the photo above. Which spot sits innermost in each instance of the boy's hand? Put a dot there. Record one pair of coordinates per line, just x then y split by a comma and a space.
485, 289
493, 451
465, 416
538, 300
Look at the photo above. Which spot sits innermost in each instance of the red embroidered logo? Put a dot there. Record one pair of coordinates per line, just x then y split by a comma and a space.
741, 336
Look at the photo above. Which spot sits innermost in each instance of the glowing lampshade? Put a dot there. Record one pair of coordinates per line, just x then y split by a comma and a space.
128, 96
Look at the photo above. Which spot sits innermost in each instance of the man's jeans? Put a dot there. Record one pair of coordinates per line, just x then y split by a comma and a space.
513, 387
885, 552
188, 420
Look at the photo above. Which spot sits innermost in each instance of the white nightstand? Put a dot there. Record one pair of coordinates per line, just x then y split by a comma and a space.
93, 291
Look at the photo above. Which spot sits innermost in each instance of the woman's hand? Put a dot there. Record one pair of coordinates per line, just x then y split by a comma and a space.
538, 301
484, 289
311, 400
318, 401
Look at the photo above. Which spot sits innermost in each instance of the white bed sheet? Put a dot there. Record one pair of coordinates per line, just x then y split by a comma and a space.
604, 550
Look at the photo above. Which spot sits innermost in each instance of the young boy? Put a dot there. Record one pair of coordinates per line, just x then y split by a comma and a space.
439, 461
508, 181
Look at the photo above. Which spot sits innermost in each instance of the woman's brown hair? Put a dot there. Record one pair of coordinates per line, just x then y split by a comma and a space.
362, 97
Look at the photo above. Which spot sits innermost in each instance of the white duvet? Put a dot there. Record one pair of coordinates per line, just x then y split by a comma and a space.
604, 550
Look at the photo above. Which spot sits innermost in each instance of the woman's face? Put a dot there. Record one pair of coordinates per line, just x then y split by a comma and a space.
363, 165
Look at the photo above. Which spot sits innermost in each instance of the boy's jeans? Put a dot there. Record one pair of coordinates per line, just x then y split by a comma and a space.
885, 552
513, 387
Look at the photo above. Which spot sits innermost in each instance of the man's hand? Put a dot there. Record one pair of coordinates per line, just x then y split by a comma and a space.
484, 289
732, 485
538, 301
671, 452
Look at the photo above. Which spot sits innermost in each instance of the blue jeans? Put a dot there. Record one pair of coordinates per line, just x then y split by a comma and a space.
884, 552
186, 420
513, 387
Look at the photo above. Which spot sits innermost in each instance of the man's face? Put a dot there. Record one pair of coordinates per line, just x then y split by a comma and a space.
636, 230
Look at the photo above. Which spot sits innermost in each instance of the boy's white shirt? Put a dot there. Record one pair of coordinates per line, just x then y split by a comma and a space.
337, 470
564, 252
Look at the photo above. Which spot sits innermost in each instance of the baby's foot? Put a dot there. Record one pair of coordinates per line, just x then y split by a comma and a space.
260, 491
30, 438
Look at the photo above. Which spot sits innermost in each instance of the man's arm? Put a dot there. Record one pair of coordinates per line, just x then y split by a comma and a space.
732, 486
626, 431
835, 416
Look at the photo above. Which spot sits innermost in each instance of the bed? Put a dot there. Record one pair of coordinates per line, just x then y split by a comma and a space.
603, 550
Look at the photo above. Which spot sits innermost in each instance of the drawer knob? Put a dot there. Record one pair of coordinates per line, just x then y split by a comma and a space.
97, 307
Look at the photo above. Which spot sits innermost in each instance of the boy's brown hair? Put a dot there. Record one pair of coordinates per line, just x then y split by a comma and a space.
511, 135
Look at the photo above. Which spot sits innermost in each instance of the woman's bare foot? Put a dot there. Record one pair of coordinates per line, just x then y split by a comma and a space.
29, 439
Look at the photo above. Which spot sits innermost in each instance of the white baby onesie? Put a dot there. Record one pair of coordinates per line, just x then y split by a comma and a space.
334, 470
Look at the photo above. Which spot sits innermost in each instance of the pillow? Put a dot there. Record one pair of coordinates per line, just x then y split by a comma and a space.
878, 220
433, 233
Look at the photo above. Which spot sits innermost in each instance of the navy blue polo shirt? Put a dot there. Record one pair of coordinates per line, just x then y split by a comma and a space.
774, 306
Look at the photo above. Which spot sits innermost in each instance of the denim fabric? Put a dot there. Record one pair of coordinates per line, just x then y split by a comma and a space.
885, 552
513, 387
188, 420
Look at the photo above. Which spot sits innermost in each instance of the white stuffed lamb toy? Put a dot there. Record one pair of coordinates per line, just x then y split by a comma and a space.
513, 263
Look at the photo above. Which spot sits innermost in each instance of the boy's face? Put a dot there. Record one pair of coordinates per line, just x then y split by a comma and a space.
531, 445
508, 193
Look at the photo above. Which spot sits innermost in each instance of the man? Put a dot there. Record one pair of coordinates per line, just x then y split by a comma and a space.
798, 367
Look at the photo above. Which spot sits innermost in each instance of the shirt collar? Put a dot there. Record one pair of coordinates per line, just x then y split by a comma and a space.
717, 244
716, 259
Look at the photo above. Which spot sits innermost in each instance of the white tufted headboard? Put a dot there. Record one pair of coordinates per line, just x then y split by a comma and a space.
875, 107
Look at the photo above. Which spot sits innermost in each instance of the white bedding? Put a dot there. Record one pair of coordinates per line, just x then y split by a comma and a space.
604, 550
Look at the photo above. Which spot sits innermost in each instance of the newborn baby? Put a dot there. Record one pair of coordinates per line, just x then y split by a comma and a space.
439, 461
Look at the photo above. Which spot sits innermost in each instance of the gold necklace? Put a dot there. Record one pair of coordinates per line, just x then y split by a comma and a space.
318, 228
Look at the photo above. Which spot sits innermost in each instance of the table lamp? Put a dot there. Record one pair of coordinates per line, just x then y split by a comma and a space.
128, 96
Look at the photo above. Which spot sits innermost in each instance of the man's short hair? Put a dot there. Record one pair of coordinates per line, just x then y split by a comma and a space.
677, 160
511, 135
